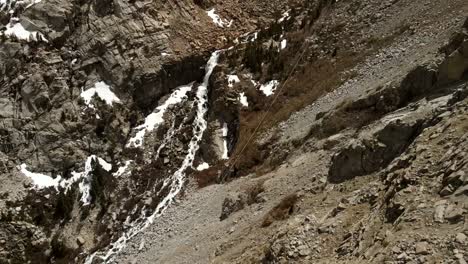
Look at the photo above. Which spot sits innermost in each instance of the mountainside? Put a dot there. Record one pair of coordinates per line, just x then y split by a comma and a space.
317, 131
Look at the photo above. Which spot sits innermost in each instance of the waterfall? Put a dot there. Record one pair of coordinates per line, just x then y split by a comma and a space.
175, 181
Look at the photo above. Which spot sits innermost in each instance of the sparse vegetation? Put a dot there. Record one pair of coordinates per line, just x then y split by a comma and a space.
281, 211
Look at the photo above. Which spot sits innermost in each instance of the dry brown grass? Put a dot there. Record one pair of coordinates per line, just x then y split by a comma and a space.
253, 191
311, 80
281, 211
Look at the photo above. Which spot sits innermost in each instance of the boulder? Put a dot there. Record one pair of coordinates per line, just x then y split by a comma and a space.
232, 203
422, 248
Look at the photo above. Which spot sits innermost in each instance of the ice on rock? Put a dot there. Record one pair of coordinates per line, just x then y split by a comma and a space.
123, 169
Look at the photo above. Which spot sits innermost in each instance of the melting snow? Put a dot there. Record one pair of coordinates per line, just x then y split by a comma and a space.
255, 36
11, 4
122, 169
85, 184
269, 87
202, 166
243, 99
102, 90
17, 30
42, 181
283, 44
284, 17
218, 20
33, 2
155, 119
232, 79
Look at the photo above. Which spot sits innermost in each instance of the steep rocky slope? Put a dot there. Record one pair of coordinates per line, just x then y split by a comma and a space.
233, 132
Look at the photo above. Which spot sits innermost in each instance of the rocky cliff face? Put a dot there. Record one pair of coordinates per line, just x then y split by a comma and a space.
233, 132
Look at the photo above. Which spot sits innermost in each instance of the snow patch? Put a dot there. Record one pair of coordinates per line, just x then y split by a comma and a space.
217, 19
202, 166
14, 28
243, 99
232, 79
102, 90
269, 87
254, 37
284, 17
123, 169
155, 119
40, 181
284, 42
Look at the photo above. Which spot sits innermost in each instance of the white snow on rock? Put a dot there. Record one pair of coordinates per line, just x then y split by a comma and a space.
33, 2
153, 120
232, 79
9, 5
14, 28
243, 99
217, 19
284, 17
202, 166
123, 169
103, 91
269, 87
254, 37
176, 181
85, 184
284, 42
40, 181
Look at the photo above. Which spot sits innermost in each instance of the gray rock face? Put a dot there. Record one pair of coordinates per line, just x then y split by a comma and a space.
377, 145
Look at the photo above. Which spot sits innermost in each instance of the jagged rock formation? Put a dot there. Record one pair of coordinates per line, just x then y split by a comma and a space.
124, 136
